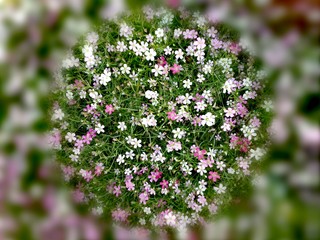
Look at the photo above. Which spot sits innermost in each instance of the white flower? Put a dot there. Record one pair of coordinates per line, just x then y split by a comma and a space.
151, 94
70, 62
159, 33
147, 210
220, 165
57, 114
142, 221
105, 77
125, 69
120, 159
70, 137
74, 157
208, 119
130, 154
231, 171
200, 78
257, 153
92, 38
177, 33
178, 133
121, 47
76, 151
99, 128
93, 94
170, 219
220, 189
158, 70
125, 30
200, 43
247, 82
87, 50
122, 126
268, 105
179, 54
149, 38
144, 156
187, 83
249, 132
97, 211
230, 112
149, 121
136, 143
201, 169
83, 94
127, 171
150, 54
200, 106
167, 50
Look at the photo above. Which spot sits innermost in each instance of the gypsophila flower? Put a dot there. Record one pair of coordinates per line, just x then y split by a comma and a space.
187, 83
122, 126
220, 189
70, 137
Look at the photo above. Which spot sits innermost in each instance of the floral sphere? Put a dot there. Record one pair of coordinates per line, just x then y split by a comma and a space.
161, 115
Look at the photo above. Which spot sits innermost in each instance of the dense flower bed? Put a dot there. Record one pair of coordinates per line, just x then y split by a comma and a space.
160, 117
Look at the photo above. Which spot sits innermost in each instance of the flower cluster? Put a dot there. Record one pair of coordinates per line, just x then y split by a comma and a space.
158, 120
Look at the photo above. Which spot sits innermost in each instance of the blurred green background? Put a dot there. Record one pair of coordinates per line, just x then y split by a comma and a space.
36, 35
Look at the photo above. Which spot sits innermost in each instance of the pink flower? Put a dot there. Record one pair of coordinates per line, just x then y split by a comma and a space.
199, 153
99, 168
172, 115
78, 84
117, 190
78, 196
120, 215
87, 175
109, 109
175, 69
162, 61
79, 144
130, 185
155, 176
144, 197
234, 48
164, 184
202, 200
213, 176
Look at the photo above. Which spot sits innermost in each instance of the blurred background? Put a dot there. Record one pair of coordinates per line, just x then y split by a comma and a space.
35, 36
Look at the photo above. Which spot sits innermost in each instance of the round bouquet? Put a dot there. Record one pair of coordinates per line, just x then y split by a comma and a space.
160, 117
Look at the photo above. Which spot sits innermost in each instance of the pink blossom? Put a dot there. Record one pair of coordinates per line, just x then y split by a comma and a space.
162, 61
202, 200
199, 153
109, 109
172, 115
99, 168
213, 176
164, 184
78, 84
130, 185
255, 122
196, 121
79, 143
175, 68
198, 98
120, 215
234, 48
144, 197
87, 175
78, 196
117, 190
